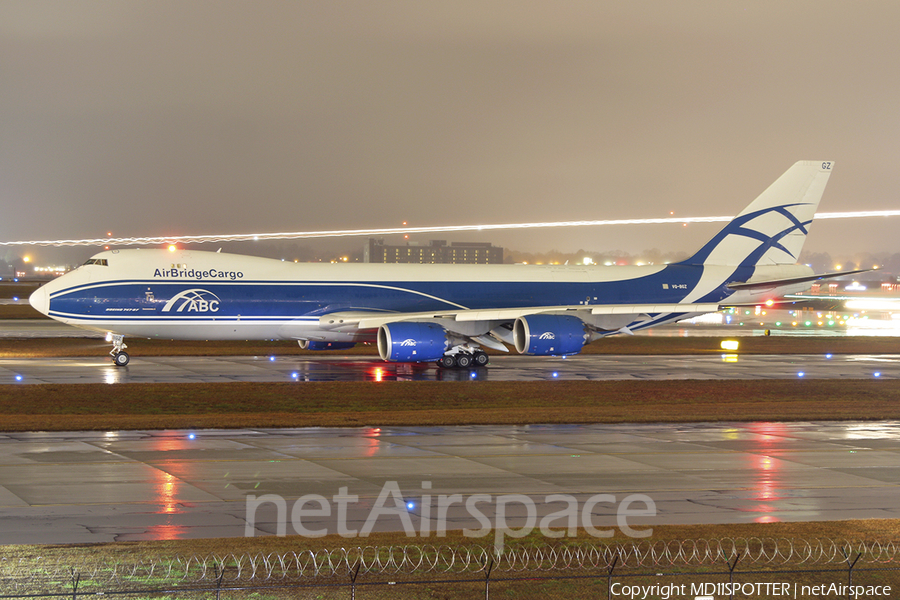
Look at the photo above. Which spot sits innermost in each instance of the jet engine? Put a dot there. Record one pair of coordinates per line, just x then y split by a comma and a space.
412, 342
544, 335
316, 345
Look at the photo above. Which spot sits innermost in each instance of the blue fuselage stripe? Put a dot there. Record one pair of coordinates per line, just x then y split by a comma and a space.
127, 300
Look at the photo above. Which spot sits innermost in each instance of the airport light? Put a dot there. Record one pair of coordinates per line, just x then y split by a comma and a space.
873, 304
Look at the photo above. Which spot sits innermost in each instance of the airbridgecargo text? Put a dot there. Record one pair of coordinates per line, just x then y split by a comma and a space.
198, 274
762, 590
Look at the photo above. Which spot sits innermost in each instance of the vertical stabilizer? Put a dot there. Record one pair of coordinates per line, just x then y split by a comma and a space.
771, 231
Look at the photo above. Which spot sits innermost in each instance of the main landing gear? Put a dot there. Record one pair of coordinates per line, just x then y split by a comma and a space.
464, 360
119, 356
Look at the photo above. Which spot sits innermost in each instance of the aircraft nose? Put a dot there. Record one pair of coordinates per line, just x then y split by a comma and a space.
40, 300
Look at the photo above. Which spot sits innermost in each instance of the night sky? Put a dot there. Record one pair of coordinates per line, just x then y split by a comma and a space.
169, 118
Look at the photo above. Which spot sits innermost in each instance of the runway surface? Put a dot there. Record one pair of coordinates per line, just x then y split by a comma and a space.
502, 368
143, 485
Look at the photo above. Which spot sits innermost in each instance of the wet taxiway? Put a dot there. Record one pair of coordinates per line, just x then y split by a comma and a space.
502, 368
140, 485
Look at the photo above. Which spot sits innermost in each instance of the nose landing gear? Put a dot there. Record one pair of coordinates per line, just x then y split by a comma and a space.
119, 356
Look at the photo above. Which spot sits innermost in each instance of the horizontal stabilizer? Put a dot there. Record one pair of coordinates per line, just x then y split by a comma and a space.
781, 282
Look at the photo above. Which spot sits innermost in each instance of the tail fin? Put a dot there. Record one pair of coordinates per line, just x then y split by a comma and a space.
771, 231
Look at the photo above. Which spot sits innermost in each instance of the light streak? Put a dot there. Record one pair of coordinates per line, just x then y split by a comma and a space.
295, 235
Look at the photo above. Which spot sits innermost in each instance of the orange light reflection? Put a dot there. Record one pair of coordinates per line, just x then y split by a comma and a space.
765, 468
166, 493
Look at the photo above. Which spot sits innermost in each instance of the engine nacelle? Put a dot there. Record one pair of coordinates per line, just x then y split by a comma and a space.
317, 345
544, 335
412, 342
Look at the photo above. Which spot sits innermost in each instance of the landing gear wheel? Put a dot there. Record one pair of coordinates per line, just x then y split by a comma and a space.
121, 359
447, 362
463, 361
481, 359
119, 356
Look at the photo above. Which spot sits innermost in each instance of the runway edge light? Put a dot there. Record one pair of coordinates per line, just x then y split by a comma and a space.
730, 345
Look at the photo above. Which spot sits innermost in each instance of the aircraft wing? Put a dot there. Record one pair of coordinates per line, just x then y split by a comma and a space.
359, 320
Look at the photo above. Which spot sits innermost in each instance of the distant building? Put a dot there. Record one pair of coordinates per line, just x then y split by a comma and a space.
436, 252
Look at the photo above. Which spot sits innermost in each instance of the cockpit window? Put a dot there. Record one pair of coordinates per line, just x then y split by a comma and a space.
97, 261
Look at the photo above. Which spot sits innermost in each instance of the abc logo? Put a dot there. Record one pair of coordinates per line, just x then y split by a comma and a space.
195, 300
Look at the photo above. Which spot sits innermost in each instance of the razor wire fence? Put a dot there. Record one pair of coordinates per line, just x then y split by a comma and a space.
353, 567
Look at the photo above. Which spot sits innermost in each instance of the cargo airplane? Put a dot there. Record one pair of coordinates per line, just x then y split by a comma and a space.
442, 313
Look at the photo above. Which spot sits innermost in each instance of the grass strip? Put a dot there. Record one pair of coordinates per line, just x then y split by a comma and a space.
56, 407
19, 311
858, 529
158, 566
